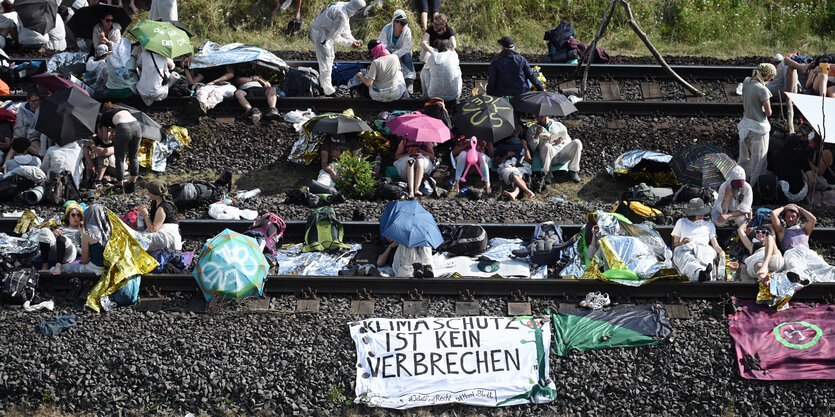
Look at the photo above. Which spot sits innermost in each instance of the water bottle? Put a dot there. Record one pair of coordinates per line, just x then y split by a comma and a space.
243, 195
377, 163
140, 223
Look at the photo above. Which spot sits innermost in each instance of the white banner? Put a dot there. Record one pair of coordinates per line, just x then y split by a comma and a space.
489, 361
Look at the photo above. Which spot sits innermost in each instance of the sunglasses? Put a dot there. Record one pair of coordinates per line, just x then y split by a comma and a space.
437, 25
75, 214
108, 20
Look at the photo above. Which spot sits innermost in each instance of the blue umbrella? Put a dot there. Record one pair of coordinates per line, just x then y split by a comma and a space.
410, 225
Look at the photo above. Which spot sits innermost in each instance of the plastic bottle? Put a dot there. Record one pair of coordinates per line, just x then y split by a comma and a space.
377, 164
140, 223
243, 195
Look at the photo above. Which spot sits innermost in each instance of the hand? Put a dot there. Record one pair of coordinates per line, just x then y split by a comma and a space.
511, 154
210, 83
722, 218
721, 255
685, 241
539, 130
356, 44
359, 74
58, 232
763, 270
142, 210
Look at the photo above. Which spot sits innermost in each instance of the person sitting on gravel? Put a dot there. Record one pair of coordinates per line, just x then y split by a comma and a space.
384, 79
126, 139
64, 158
206, 97
161, 218
695, 248
819, 82
484, 149
823, 162
94, 232
407, 262
413, 160
333, 25
439, 31
249, 83
509, 73
61, 245
21, 158
763, 255
99, 158
155, 76
754, 127
550, 138
733, 206
24, 126
441, 73
513, 164
398, 40
107, 32
794, 240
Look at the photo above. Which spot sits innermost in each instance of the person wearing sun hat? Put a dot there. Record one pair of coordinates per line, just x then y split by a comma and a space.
754, 126
695, 248
733, 205
61, 245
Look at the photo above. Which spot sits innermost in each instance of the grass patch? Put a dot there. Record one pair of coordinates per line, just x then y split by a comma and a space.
720, 28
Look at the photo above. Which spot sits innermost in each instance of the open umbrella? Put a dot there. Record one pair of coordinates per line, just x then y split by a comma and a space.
231, 265
336, 123
485, 117
685, 156
53, 82
68, 115
150, 128
420, 128
177, 25
86, 18
37, 15
162, 38
543, 103
714, 169
409, 224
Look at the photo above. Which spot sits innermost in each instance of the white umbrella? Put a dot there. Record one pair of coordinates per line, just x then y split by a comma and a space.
819, 111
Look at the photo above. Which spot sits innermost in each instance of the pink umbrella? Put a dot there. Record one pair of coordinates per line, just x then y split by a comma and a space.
54, 83
420, 128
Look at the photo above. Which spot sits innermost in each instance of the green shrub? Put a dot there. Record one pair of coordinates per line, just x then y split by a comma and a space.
356, 175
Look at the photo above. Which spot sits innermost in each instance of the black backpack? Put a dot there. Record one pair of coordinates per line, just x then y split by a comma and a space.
688, 192
389, 190
546, 245
559, 35
59, 188
298, 83
464, 240
196, 193
768, 191
19, 285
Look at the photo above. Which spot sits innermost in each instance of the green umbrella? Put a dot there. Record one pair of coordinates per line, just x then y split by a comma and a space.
162, 38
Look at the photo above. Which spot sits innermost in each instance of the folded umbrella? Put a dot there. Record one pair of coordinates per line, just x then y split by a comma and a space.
150, 128
420, 128
68, 115
53, 82
409, 224
37, 15
85, 19
485, 117
336, 123
543, 103
231, 265
163, 38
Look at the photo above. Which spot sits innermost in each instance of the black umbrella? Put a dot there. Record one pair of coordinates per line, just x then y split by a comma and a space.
150, 128
335, 123
68, 115
37, 15
543, 103
85, 19
485, 117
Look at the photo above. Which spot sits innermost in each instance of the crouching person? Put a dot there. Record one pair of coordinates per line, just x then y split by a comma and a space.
95, 231
161, 218
694, 243
733, 206
61, 245
407, 262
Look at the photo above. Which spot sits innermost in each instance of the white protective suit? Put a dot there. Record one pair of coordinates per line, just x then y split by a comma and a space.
741, 199
332, 25
403, 46
54, 40
441, 75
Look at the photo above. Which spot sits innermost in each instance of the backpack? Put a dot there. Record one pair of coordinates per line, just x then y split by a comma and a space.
301, 82
643, 193
768, 191
546, 245
269, 227
688, 192
60, 188
559, 35
638, 212
389, 190
19, 285
342, 72
323, 231
196, 193
464, 240
599, 55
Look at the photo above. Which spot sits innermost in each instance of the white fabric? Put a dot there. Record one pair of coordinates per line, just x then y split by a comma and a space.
402, 165
554, 155
441, 75
325, 178
54, 40
692, 258
775, 264
741, 198
508, 169
163, 10
404, 258
64, 158
71, 247
97, 79
221, 211
150, 86
168, 236
329, 27
403, 46
79, 268
552, 132
699, 232
752, 153
808, 265
212, 95
21, 160
814, 110
794, 198
24, 125
112, 39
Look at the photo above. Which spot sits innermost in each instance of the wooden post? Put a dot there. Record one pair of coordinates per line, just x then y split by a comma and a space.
610, 11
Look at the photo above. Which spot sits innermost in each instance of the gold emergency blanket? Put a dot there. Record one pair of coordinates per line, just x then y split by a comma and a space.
123, 258
306, 148
153, 155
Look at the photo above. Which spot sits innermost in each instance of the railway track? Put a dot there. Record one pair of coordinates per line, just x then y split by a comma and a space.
409, 287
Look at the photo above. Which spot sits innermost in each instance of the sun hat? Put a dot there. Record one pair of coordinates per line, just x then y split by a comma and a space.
696, 207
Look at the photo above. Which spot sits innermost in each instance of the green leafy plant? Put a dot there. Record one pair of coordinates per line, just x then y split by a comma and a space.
336, 395
48, 396
356, 176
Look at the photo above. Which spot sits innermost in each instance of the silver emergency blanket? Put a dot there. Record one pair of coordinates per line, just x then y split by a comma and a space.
211, 54
65, 58
292, 261
636, 247
779, 289
27, 243
629, 159
500, 251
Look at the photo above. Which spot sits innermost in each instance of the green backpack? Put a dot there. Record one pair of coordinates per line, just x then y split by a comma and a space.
323, 232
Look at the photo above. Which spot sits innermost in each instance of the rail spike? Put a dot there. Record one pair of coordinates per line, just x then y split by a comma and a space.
414, 295
518, 296
467, 295
363, 294
308, 294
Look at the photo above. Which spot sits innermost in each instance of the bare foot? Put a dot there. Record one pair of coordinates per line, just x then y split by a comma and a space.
57, 270
530, 194
511, 195
418, 194
455, 189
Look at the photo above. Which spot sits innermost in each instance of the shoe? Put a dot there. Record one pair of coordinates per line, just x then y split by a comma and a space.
418, 270
85, 184
588, 302
225, 179
574, 176
537, 182
428, 272
294, 27
410, 85
254, 115
602, 300
705, 274
196, 107
272, 114
95, 184
129, 187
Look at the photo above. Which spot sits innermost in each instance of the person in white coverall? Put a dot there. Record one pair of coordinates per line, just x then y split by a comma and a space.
332, 25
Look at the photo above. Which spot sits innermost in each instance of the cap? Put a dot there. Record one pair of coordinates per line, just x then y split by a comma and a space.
507, 42
792, 207
488, 266
101, 50
737, 183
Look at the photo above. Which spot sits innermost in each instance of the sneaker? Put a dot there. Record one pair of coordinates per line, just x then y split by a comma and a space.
254, 115
588, 302
428, 272
418, 270
410, 85
95, 184
196, 107
705, 274
129, 187
574, 176
272, 114
294, 27
602, 300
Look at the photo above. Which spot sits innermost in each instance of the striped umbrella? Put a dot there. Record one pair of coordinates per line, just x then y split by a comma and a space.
683, 159
714, 168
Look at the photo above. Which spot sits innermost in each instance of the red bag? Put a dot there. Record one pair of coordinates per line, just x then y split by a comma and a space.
130, 218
